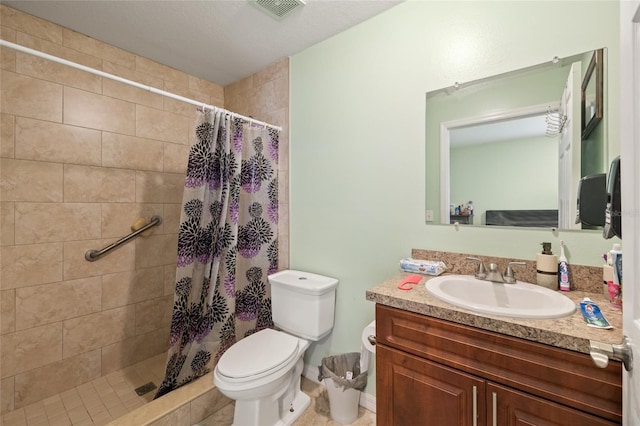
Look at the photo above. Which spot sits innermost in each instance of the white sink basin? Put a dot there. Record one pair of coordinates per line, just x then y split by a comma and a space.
519, 300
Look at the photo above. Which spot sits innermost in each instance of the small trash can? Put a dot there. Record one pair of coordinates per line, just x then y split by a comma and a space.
344, 381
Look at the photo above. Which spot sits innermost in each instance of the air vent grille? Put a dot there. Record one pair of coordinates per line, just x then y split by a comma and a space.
278, 8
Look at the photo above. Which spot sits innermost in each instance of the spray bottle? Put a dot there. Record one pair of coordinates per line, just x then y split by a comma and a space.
563, 270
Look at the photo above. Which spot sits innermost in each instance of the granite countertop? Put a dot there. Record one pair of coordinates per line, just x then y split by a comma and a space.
570, 332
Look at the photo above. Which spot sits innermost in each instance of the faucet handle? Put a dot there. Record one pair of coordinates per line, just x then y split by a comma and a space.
482, 272
508, 275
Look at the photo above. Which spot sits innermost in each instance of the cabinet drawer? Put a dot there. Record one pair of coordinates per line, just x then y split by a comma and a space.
567, 377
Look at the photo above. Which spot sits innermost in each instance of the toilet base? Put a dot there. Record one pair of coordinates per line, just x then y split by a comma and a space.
281, 408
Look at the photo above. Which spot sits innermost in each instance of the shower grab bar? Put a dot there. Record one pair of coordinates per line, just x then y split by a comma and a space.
93, 255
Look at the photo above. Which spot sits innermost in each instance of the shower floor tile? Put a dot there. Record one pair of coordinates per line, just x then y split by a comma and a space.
95, 403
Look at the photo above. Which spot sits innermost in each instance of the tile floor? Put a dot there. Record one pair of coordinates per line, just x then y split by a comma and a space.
316, 415
109, 397
94, 403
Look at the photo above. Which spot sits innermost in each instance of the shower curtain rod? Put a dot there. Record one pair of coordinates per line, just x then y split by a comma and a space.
151, 89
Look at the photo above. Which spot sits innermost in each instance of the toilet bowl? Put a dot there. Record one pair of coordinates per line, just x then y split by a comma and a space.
262, 371
262, 374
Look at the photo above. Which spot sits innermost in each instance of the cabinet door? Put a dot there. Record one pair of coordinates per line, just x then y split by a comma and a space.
412, 391
508, 407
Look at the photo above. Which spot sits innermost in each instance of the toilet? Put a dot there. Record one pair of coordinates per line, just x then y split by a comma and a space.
262, 371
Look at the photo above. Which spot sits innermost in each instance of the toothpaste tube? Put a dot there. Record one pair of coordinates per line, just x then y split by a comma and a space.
427, 267
592, 314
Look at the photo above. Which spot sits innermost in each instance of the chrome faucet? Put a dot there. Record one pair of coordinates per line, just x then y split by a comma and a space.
493, 274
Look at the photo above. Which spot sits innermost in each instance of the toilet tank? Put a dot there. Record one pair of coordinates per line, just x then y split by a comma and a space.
303, 304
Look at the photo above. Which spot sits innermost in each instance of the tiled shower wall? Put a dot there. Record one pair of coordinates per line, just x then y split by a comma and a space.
82, 158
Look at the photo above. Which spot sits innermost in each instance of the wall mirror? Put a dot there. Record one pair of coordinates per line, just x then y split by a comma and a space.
511, 146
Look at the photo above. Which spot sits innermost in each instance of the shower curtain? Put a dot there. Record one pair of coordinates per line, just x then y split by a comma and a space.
227, 244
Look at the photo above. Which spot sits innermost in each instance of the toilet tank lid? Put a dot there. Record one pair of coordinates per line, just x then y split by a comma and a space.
305, 282
257, 354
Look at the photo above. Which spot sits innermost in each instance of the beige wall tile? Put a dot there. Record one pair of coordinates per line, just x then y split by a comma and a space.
98, 112
117, 218
44, 304
167, 73
30, 97
97, 330
178, 107
30, 265
59, 377
130, 152
46, 141
32, 348
49, 222
7, 224
7, 56
272, 72
161, 125
58, 50
118, 260
169, 280
133, 350
119, 355
7, 135
172, 218
43, 69
18, 20
215, 91
207, 404
7, 395
156, 250
125, 92
22, 180
129, 287
159, 187
151, 344
178, 417
7, 311
138, 77
90, 46
98, 184
176, 158
152, 314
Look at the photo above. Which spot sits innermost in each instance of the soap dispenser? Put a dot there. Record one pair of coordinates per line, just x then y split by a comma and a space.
547, 268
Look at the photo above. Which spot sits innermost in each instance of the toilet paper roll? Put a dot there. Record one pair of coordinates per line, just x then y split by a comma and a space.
369, 330
367, 347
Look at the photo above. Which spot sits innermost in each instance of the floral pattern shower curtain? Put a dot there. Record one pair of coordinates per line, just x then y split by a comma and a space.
227, 244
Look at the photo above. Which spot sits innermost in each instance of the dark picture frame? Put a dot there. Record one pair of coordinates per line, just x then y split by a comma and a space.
592, 88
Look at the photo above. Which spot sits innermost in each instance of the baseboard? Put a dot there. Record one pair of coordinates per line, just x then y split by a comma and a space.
367, 401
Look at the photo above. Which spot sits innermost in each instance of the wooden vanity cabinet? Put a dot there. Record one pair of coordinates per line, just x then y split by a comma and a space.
435, 372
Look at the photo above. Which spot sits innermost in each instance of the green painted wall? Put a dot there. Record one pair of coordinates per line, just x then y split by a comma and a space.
527, 180
357, 143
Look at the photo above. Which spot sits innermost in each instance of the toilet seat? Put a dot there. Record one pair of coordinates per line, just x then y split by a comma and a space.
257, 356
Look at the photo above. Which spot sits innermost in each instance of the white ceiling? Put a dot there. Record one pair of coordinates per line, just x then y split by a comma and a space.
221, 41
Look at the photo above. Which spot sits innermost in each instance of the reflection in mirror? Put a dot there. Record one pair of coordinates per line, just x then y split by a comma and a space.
510, 147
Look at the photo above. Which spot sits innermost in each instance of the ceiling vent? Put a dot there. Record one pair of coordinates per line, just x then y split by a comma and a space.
278, 9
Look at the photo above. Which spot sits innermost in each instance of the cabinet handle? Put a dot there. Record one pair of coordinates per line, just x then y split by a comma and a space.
475, 406
494, 401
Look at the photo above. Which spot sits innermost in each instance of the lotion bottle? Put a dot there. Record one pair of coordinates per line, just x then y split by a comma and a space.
547, 268
563, 270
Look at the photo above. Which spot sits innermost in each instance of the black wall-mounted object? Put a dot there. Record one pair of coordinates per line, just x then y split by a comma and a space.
592, 200
613, 211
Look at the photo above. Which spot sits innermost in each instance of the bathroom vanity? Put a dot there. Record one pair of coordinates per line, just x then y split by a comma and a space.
437, 364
